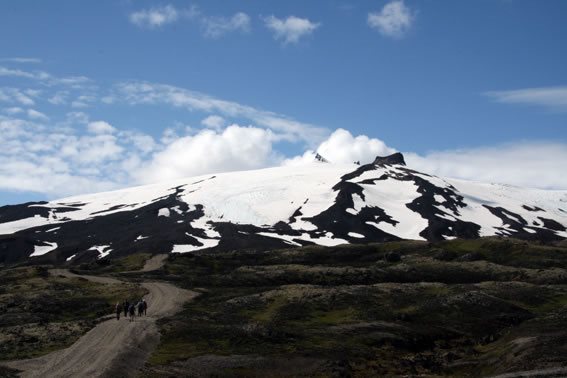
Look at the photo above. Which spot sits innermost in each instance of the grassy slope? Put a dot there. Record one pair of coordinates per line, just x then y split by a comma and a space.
450, 308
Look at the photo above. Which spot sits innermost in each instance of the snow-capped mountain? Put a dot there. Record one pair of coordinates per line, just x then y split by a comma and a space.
320, 203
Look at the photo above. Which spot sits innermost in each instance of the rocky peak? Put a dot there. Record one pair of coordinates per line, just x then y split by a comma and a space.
320, 158
396, 158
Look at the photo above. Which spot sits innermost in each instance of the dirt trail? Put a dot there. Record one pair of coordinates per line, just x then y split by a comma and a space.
154, 263
551, 372
114, 347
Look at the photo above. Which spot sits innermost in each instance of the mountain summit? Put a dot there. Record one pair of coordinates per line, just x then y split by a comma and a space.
396, 158
325, 204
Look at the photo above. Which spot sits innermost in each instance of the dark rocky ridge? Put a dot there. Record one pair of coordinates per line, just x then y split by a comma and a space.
396, 158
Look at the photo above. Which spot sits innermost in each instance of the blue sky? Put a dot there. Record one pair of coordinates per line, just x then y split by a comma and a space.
468, 89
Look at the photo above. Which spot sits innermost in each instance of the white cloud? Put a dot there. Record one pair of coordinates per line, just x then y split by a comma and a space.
42, 159
21, 60
213, 122
553, 98
83, 101
59, 98
291, 29
17, 73
154, 17
215, 27
529, 164
77, 117
308, 157
34, 114
85, 156
144, 143
46, 78
394, 20
98, 149
12, 95
169, 136
343, 147
284, 128
209, 151
13, 110
100, 127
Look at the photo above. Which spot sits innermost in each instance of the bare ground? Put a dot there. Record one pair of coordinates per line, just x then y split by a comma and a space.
114, 347
154, 263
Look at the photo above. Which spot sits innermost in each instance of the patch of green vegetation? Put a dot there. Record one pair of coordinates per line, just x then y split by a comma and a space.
175, 350
334, 317
270, 311
131, 262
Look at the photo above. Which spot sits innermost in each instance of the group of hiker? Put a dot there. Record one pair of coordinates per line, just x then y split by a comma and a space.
130, 309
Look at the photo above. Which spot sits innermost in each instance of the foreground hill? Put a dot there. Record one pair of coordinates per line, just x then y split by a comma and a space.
321, 203
460, 308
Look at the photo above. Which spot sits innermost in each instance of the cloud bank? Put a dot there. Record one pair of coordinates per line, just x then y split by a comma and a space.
71, 151
529, 164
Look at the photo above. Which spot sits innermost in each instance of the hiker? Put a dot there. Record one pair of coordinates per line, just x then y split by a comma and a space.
140, 308
118, 310
132, 312
145, 307
126, 306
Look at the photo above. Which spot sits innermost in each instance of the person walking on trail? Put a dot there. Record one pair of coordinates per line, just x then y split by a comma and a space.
126, 306
140, 308
145, 307
118, 310
132, 312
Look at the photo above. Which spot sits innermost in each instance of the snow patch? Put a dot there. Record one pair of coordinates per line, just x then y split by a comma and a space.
392, 196
184, 248
287, 238
39, 250
103, 250
355, 235
164, 212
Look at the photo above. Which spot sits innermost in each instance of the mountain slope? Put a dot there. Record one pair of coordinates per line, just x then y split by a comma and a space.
320, 203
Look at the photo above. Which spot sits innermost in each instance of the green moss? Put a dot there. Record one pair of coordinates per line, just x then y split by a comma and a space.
173, 351
268, 313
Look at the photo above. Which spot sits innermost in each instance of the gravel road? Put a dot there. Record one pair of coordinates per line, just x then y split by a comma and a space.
116, 348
